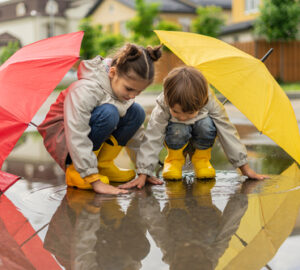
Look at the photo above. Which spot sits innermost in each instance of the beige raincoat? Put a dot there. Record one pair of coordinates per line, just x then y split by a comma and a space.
66, 126
147, 156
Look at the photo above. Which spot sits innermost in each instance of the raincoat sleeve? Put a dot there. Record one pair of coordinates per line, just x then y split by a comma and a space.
148, 154
226, 132
79, 103
133, 145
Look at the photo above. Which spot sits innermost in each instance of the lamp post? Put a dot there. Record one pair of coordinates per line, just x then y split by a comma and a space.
51, 9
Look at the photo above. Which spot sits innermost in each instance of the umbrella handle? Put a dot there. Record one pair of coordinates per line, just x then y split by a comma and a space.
263, 59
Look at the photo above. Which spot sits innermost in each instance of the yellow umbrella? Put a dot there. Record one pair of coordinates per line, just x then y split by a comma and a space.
268, 221
242, 79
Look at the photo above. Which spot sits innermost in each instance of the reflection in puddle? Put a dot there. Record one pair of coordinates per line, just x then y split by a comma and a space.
224, 223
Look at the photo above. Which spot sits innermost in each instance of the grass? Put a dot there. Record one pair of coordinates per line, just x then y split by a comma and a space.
154, 88
157, 88
290, 86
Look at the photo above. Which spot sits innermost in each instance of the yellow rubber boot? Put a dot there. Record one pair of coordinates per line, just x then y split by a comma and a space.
202, 167
107, 166
73, 179
173, 164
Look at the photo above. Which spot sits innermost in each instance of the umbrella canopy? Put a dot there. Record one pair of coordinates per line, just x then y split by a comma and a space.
242, 79
20, 245
26, 80
268, 221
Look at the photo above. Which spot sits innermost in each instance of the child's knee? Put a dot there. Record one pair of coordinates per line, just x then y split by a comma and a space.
177, 135
106, 112
205, 128
138, 113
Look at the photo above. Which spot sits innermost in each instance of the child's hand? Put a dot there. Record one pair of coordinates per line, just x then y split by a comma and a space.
140, 181
102, 188
247, 171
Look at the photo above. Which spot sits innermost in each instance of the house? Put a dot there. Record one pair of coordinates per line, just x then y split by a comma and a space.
244, 14
113, 14
284, 63
30, 20
5, 38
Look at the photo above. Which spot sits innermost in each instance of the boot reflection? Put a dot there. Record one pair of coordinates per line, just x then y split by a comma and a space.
91, 231
176, 191
202, 191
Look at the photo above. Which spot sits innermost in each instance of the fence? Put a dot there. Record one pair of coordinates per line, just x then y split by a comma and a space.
283, 63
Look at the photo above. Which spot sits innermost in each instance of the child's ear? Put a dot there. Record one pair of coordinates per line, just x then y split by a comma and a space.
112, 72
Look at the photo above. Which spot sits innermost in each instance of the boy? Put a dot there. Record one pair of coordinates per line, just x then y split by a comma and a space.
188, 113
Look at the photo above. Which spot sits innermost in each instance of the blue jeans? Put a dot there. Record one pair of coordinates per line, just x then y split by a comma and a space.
106, 121
201, 134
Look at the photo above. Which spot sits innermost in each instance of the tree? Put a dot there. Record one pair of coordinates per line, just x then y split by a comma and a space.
89, 48
278, 20
108, 42
8, 51
209, 21
167, 25
142, 24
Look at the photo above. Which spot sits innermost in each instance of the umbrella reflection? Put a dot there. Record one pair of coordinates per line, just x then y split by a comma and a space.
20, 245
269, 220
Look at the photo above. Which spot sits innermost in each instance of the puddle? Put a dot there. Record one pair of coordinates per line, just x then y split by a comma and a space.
224, 223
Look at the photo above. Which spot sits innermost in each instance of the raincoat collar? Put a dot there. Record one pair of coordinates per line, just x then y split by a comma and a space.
96, 70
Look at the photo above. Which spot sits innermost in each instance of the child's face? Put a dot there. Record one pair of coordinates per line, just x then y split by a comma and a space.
125, 88
177, 112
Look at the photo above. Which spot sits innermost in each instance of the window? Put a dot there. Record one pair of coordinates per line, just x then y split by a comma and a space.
110, 28
111, 8
251, 6
123, 29
20, 9
185, 22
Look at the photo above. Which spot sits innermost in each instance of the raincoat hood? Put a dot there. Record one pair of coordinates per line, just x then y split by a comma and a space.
96, 70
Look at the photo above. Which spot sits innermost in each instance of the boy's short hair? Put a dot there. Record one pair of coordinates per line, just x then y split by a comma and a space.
187, 87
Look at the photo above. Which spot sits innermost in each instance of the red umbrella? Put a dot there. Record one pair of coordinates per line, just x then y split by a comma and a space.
26, 80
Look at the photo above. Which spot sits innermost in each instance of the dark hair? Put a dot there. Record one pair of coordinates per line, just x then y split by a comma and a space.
138, 59
187, 87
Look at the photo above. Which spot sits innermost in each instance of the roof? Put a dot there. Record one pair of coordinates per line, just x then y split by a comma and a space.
237, 27
171, 6
5, 38
225, 4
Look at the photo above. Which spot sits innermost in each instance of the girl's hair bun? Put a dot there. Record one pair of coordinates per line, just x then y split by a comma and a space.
130, 53
133, 52
154, 53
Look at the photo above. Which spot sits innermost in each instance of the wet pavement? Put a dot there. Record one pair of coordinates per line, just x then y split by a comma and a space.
224, 223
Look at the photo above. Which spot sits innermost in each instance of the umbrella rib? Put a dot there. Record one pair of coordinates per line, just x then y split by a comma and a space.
33, 124
263, 59
243, 54
38, 59
30, 237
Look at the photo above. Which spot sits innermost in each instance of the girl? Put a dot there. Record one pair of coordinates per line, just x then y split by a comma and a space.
96, 116
187, 114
